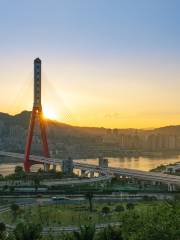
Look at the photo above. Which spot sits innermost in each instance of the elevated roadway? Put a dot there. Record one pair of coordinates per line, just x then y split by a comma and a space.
143, 175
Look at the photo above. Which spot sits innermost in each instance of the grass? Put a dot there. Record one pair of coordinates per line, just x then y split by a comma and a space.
64, 215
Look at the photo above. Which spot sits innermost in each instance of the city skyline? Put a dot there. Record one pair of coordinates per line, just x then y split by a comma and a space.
104, 64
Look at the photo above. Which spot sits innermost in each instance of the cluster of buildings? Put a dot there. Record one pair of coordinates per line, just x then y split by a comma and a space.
108, 143
143, 140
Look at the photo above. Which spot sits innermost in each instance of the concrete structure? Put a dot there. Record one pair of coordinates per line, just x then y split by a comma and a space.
171, 180
173, 168
67, 166
103, 162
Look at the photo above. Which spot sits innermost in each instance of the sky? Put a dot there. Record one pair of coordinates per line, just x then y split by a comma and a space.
105, 63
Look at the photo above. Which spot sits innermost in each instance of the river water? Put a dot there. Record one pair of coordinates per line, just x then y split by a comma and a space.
140, 163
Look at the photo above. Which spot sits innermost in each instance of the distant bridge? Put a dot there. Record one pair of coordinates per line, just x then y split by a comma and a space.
168, 179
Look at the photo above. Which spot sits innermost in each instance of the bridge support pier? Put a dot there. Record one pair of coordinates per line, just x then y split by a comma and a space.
54, 167
46, 167
171, 187
103, 162
91, 174
83, 173
67, 166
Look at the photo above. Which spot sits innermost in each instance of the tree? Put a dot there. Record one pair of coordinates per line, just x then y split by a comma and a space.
11, 188
85, 233
130, 206
67, 236
4, 235
119, 208
89, 197
5, 187
36, 183
25, 231
159, 222
15, 209
18, 169
110, 233
105, 210
2, 230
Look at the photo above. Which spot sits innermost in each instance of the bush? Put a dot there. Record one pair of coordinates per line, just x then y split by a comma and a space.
2, 227
159, 222
25, 231
110, 233
105, 210
119, 208
18, 169
130, 206
15, 210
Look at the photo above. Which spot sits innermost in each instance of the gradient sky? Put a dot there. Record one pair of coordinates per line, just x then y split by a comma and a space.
110, 63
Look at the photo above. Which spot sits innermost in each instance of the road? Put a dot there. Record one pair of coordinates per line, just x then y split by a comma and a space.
143, 175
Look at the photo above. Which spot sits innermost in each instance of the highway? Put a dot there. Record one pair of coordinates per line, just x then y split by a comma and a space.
34, 158
79, 181
143, 175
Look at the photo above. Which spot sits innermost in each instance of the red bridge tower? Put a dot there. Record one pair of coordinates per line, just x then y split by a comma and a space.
37, 114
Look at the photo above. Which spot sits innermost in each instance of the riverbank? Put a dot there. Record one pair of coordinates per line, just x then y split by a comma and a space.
8, 165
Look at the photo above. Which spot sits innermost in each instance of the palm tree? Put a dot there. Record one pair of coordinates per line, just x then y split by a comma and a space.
85, 233
89, 197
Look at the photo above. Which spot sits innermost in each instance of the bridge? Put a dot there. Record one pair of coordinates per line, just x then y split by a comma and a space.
46, 160
103, 169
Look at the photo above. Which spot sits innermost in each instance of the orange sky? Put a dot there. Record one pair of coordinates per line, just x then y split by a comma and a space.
110, 64
105, 96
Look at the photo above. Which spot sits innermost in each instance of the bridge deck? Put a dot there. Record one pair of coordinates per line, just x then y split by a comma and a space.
144, 175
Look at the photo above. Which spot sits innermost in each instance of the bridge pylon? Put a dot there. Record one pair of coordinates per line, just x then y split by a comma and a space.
36, 116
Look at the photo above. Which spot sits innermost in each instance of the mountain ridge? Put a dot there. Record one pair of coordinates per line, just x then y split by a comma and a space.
23, 117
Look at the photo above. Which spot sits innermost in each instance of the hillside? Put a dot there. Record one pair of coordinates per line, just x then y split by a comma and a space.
65, 140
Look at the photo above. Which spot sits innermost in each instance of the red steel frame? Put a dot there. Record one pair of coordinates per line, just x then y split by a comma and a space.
36, 114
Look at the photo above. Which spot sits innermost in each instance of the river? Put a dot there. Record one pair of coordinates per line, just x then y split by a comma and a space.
140, 163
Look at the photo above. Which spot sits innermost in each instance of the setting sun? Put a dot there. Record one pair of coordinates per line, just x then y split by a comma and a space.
49, 113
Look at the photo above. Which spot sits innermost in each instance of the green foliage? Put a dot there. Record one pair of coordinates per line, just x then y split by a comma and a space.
105, 210
161, 222
150, 221
2, 227
86, 233
15, 210
89, 196
110, 233
2, 230
18, 169
36, 182
4, 235
27, 231
119, 208
130, 206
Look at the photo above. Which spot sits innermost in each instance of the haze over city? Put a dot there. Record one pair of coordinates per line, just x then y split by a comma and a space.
105, 63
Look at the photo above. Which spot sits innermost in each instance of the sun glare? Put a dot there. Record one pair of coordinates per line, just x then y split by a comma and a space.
49, 113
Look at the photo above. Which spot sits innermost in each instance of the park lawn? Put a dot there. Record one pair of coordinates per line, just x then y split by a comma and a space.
65, 215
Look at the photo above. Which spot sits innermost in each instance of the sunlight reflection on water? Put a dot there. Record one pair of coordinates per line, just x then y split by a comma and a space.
141, 163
